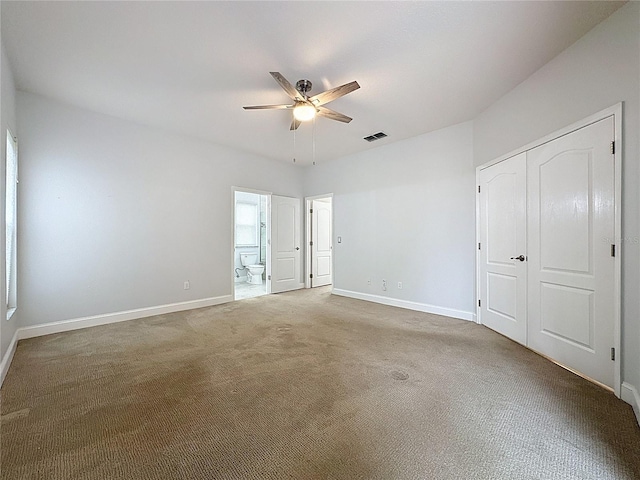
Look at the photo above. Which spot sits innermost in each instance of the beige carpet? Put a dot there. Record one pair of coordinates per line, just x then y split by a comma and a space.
304, 385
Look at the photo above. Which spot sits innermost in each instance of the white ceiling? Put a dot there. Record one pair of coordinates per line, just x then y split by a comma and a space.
191, 66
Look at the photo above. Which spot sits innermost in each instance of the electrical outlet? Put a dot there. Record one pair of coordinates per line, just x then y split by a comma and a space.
187, 285
399, 285
384, 285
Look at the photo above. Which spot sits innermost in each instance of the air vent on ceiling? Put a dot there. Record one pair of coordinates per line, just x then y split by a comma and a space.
375, 136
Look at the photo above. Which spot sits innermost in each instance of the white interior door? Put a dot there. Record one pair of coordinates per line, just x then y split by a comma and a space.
502, 228
571, 269
321, 242
285, 244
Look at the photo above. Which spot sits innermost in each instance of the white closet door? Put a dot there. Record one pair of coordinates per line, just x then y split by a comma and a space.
502, 225
285, 244
570, 269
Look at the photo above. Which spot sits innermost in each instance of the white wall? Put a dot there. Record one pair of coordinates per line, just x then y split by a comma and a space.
8, 121
116, 216
406, 213
599, 70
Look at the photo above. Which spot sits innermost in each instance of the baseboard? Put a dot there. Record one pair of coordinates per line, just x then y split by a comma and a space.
95, 320
630, 394
8, 357
420, 307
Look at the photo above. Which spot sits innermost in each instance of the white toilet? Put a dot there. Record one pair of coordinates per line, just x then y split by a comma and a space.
254, 271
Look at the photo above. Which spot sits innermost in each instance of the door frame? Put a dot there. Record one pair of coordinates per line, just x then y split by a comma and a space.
233, 236
307, 238
614, 111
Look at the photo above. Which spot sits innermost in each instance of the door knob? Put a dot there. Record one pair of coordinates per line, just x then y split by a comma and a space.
520, 257
297, 248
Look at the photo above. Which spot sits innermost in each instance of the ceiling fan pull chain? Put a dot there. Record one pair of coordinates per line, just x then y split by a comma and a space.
294, 145
313, 140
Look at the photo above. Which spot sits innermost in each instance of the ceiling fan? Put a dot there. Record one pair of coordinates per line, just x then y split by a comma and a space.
305, 107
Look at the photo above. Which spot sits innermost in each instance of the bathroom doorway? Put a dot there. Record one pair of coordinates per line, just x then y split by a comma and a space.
251, 233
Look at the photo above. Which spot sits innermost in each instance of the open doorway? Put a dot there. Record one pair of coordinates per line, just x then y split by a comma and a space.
319, 252
251, 233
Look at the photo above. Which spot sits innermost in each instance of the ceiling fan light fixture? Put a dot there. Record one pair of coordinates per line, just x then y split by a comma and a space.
304, 112
304, 107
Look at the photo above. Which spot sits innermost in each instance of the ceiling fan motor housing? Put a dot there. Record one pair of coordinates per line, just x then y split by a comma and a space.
303, 86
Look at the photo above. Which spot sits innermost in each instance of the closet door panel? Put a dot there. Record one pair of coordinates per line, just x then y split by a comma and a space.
502, 231
570, 216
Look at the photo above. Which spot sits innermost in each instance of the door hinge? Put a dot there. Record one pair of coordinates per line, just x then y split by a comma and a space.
311, 211
613, 147
268, 277
479, 246
613, 353
479, 303
311, 244
478, 188
311, 275
613, 250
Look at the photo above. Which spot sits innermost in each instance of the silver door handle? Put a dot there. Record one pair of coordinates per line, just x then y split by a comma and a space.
520, 257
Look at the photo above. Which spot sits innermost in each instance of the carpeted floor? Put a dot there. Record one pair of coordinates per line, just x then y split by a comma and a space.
304, 385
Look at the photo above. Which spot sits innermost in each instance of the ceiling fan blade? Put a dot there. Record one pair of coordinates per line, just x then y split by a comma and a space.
267, 107
295, 124
286, 86
331, 95
333, 115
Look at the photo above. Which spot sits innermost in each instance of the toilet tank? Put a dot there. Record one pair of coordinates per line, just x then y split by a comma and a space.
248, 259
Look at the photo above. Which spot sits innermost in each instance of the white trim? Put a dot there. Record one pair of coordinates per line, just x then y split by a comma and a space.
630, 394
8, 357
614, 111
319, 197
478, 240
250, 190
394, 302
95, 320
11, 288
